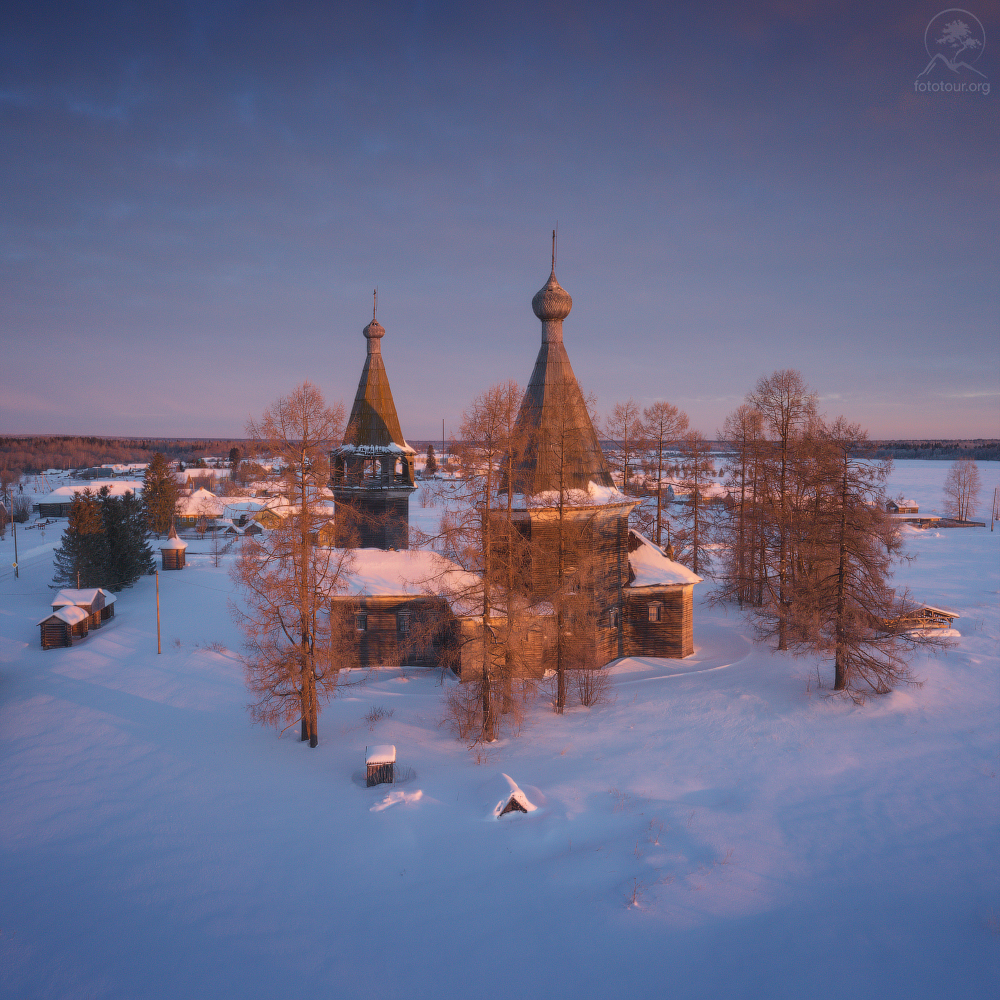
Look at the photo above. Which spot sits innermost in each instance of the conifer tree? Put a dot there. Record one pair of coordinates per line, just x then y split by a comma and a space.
431, 467
160, 492
80, 558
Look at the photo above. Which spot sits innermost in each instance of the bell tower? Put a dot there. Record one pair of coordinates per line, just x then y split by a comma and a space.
373, 470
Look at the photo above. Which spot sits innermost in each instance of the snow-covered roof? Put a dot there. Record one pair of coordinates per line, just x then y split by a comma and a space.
116, 487
385, 753
376, 450
594, 495
652, 568
947, 612
173, 542
69, 614
201, 503
77, 597
506, 788
242, 506
409, 572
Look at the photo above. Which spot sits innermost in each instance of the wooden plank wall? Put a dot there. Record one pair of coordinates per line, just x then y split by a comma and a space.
673, 635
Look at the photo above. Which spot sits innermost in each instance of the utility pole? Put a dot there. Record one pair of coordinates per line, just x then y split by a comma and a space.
13, 522
158, 649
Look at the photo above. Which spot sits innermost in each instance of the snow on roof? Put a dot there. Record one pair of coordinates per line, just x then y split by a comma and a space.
69, 614
653, 569
66, 598
385, 753
173, 542
376, 450
201, 503
507, 788
76, 597
116, 487
382, 572
243, 505
594, 495
947, 612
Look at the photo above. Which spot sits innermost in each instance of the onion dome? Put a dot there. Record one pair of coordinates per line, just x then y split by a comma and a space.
551, 301
374, 332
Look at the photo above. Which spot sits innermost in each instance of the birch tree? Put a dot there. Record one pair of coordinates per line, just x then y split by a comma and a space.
664, 424
961, 489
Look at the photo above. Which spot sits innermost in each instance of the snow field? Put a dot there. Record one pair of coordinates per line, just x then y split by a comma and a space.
721, 827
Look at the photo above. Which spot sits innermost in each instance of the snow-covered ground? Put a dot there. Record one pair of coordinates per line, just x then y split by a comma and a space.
722, 828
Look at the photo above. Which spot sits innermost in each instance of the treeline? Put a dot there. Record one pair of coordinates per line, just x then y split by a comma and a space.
978, 449
36, 454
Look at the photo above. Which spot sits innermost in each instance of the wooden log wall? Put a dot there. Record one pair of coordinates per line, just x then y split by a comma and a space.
673, 634
430, 638
55, 633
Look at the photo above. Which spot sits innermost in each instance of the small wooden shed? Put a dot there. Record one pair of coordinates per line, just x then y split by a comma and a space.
97, 603
381, 764
59, 627
173, 550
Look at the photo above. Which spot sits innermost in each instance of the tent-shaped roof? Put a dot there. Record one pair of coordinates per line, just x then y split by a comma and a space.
173, 542
374, 425
561, 445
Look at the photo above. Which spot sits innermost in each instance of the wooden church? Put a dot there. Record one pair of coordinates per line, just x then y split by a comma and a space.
569, 520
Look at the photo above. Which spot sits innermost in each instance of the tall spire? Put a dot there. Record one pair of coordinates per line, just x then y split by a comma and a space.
553, 419
374, 423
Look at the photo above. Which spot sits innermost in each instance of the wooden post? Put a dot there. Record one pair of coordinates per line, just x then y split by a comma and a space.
158, 649
14, 526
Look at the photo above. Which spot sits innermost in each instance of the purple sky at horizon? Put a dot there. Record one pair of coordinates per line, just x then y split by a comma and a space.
199, 199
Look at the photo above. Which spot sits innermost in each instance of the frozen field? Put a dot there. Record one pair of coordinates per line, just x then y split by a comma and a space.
722, 828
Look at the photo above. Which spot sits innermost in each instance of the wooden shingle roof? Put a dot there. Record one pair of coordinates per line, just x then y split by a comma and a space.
374, 425
553, 420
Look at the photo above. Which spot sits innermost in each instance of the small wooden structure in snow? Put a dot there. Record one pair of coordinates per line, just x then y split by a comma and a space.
173, 551
512, 799
381, 763
901, 506
926, 616
74, 614
59, 627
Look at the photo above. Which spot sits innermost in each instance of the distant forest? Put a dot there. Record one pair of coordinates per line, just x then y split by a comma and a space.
36, 454
982, 449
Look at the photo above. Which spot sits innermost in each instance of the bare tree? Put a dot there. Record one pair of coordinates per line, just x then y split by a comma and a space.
787, 407
293, 637
626, 428
961, 489
843, 602
742, 526
664, 424
697, 475
479, 532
